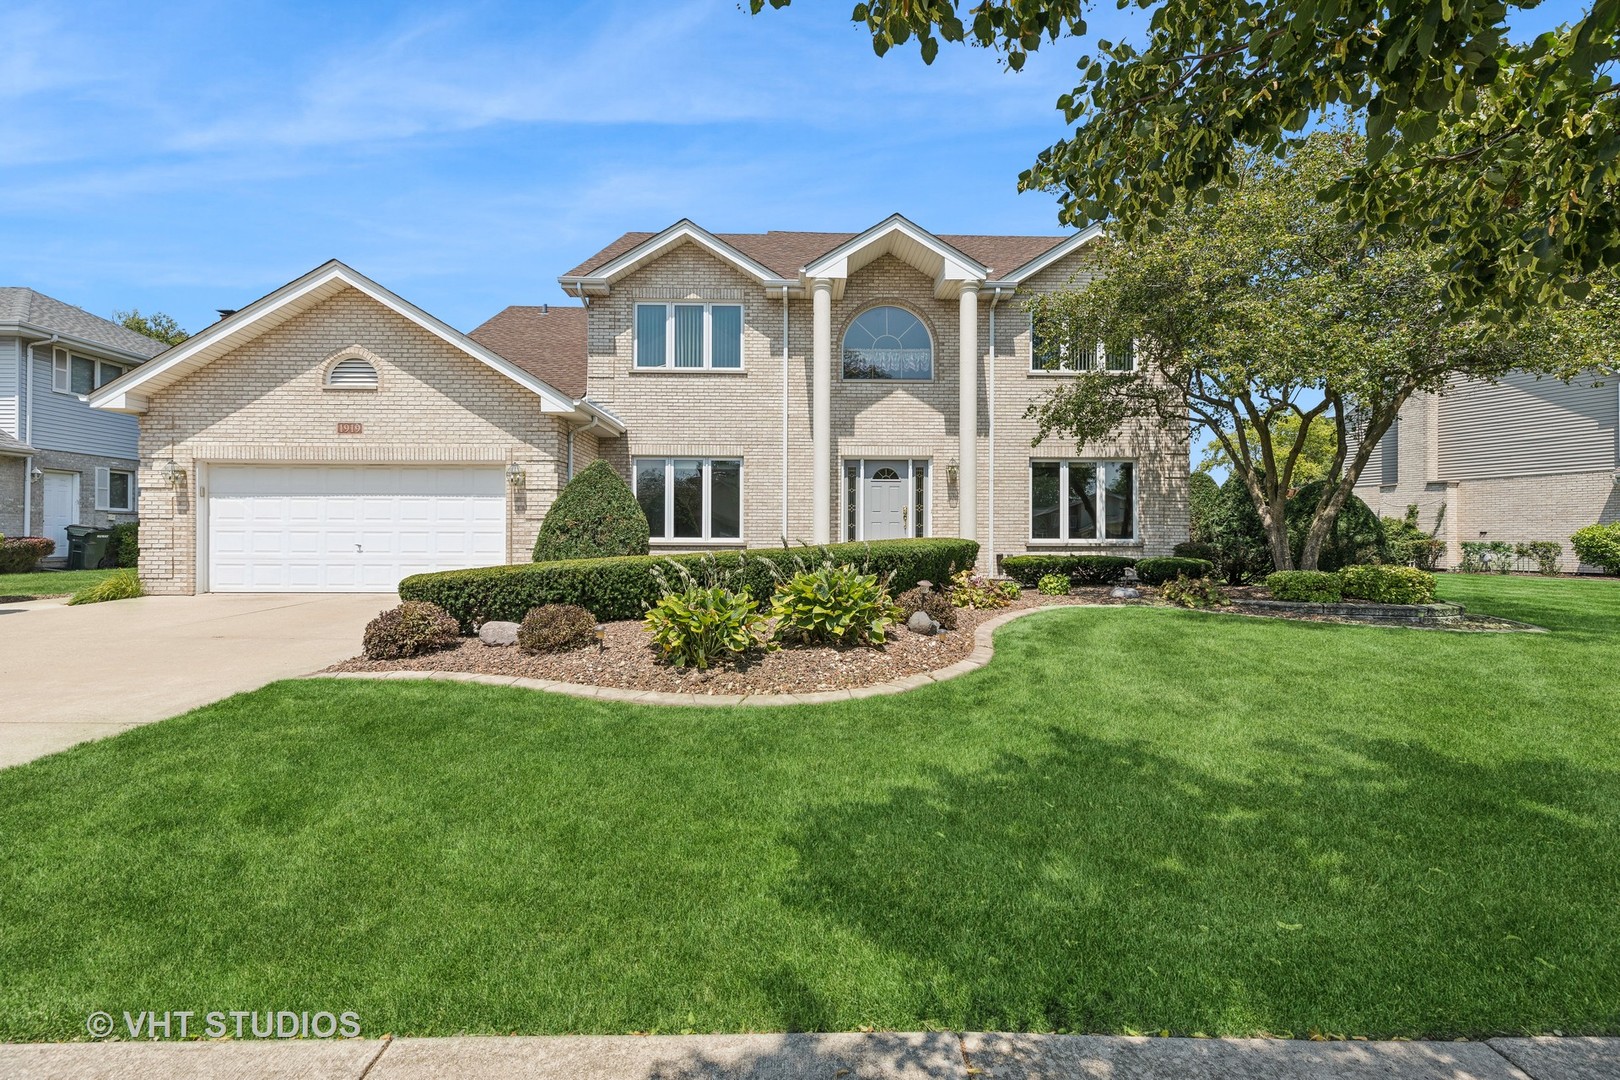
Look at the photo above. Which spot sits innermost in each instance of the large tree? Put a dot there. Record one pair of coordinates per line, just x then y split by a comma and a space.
1263, 316
1505, 156
158, 326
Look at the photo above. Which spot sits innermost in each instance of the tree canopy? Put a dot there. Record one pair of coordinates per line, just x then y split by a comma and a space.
158, 326
1505, 156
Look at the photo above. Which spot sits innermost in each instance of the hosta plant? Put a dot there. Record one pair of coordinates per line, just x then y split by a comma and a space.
834, 604
971, 590
1198, 592
699, 625
1053, 585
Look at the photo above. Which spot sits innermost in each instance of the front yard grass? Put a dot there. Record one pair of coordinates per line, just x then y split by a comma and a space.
1133, 820
41, 584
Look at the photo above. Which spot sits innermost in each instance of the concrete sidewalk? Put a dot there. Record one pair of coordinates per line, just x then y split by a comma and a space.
832, 1057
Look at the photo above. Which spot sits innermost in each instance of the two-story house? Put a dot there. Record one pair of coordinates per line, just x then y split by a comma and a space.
754, 389
61, 462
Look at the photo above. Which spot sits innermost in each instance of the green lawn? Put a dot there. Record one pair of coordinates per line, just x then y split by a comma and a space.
1133, 820
47, 583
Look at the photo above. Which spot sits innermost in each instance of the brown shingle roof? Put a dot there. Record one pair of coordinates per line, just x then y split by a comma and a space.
786, 253
547, 342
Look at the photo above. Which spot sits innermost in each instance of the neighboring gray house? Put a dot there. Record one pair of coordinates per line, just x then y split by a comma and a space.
61, 462
1519, 460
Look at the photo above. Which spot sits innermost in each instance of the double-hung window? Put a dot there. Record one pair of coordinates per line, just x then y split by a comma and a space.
690, 498
1078, 354
1082, 500
689, 336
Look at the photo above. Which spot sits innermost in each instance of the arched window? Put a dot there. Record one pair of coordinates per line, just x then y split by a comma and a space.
352, 373
888, 343
885, 473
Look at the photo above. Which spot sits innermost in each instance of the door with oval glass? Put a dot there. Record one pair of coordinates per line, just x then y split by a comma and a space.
887, 500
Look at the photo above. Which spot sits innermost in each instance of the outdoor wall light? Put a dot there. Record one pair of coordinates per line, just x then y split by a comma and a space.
172, 474
39, 474
950, 472
515, 474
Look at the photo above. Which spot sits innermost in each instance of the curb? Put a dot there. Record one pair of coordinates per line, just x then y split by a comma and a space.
983, 650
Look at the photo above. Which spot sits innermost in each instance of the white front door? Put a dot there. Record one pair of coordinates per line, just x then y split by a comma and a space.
61, 508
330, 528
887, 500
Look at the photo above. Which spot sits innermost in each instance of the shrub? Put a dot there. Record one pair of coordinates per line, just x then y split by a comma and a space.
1203, 494
1409, 545
1053, 585
411, 629
553, 628
1008, 589
972, 590
595, 516
1305, 586
1546, 554
834, 604
1028, 570
125, 546
933, 603
18, 554
1196, 549
1487, 556
1244, 552
1383, 584
1198, 592
698, 625
118, 585
1159, 571
1598, 545
623, 588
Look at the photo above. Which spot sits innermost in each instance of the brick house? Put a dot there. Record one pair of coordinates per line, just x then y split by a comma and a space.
752, 388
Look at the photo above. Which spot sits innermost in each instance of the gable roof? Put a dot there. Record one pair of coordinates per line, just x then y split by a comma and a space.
547, 342
129, 392
27, 309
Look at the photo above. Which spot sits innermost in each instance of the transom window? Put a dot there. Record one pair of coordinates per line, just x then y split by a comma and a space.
1078, 355
689, 336
1082, 500
888, 343
690, 498
352, 373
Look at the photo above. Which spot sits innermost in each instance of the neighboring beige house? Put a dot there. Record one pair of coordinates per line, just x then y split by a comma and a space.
1519, 460
755, 389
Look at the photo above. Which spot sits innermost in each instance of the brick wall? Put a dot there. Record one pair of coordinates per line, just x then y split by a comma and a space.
266, 402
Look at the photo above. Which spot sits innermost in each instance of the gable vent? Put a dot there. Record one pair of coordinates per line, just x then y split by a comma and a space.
352, 374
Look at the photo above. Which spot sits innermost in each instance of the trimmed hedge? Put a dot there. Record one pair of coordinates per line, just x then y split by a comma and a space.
1383, 584
624, 587
1159, 571
18, 554
596, 516
1306, 586
1028, 570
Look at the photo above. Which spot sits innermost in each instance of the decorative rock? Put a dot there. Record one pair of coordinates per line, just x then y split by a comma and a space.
498, 633
921, 623
1124, 592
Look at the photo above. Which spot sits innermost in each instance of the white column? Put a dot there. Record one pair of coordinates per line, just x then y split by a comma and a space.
967, 454
821, 413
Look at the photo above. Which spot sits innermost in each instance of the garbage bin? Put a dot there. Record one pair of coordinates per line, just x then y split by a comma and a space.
87, 546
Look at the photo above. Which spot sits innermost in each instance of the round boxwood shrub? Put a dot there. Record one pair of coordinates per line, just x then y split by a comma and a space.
1599, 545
413, 628
556, 628
595, 517
1159, 571
1305, 586
931, 602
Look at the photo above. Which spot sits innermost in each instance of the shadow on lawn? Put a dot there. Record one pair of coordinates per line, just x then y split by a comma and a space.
1347, 885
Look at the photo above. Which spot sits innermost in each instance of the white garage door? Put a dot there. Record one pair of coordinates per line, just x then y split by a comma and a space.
331, 528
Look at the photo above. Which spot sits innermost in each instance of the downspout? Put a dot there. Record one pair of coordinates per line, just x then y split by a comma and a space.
596, 422
28, 433
786, 366
990, 529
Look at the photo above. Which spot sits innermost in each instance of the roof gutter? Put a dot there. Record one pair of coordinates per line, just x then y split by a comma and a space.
43, 333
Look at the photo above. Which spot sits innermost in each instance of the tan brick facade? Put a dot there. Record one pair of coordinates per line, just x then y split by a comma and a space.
267, 402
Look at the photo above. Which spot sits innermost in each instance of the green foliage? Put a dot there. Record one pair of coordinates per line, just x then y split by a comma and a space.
1202, 494
973, 590
1028, 570
1305, 586
125, 546
118, 585
18, 554
158, 326
595, 516
833, 604
623, 588
1196, 549
1548, 555
1498, 151
1243, 552
1053, 585
1383, 584
1598, 545
1160, 570
1487, 557
1318, 449
553, 628
699, 625
1199, 592
412, 628
1235, 532
1408, 545
931, 602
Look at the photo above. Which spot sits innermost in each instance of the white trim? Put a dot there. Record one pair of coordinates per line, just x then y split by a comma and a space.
600, 280
877, 305
707, 466
1099, 509
914, 477
669, 307
133, 499
62, 372
956, 267
1050, 256
103, 487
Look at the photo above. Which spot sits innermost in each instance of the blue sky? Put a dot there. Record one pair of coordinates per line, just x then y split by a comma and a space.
186, 157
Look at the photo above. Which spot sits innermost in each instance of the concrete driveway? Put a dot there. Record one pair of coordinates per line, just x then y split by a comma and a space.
68, 674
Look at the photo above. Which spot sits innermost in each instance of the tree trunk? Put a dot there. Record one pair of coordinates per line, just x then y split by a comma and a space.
1321, 526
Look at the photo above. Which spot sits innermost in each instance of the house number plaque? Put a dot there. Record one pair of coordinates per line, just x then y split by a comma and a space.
349, 428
